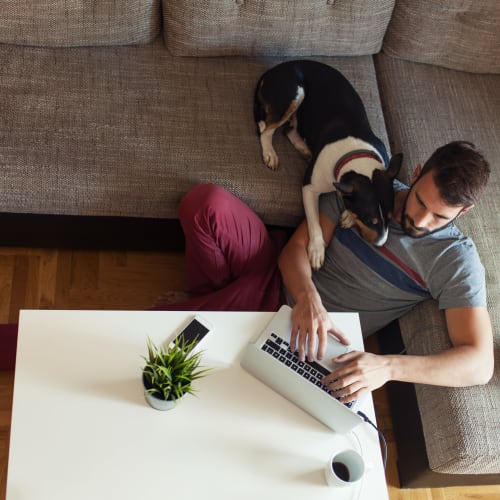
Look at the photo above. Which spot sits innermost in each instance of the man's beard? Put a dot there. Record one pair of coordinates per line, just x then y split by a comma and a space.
409, 227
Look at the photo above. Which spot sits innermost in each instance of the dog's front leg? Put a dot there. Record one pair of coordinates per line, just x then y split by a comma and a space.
316, 246
297, 141
269, 156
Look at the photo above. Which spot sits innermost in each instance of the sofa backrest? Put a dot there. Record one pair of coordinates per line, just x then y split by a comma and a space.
275, 27
462, 35
67, 23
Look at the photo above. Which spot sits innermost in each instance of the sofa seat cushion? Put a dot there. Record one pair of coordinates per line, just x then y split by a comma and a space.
426, 106
66, 23
275, 27
127, 131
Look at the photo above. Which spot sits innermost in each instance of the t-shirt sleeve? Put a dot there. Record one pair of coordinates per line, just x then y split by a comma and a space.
329, 205
458, 277
398, 185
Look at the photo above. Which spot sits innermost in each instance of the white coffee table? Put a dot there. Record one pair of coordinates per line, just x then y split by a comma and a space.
81, 429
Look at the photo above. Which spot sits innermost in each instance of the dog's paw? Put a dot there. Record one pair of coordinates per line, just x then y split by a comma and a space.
270, 159
347, 219
316, 252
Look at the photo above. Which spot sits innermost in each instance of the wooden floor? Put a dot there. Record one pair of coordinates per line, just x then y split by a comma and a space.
65, 279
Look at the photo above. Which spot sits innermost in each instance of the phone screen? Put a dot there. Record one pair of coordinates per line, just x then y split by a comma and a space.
193, 331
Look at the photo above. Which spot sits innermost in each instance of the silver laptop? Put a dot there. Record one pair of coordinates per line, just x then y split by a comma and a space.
270, 360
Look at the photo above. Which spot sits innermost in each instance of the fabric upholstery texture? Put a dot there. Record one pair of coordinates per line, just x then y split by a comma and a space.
65, 23
458, 105
461, 35
275, 27
118, 132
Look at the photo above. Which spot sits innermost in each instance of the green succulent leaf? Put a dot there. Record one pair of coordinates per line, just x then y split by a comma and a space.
169, 371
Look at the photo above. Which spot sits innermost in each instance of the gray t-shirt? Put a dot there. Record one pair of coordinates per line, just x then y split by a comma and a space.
384, 283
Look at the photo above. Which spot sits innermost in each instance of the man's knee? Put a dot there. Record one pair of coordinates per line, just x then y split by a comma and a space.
202, 198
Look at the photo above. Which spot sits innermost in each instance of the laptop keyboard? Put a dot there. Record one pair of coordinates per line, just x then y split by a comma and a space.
310, 370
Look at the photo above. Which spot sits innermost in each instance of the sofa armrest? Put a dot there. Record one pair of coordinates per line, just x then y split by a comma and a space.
460, 425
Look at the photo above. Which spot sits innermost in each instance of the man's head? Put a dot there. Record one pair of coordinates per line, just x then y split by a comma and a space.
448, 185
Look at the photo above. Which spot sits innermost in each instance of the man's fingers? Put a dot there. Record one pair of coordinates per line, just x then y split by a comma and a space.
344, 375
311, 344
293, 336
347, 389
322, 342
353, 395
302, 343
348, 356
339, 335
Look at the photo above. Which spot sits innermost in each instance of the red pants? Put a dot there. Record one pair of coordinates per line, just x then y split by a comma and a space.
231, 257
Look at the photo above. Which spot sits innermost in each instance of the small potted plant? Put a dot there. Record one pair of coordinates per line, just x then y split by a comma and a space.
169, 373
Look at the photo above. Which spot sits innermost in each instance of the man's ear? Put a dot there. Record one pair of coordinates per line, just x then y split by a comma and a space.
465, 210
416, 173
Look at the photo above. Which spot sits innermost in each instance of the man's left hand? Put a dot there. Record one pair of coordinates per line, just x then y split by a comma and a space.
361, 372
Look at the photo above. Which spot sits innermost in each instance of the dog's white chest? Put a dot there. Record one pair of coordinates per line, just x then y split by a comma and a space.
325, 173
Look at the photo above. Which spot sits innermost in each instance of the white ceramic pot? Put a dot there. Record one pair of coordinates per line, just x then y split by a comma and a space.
157, 403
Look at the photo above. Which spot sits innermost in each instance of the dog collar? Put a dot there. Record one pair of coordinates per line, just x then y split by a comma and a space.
354, 155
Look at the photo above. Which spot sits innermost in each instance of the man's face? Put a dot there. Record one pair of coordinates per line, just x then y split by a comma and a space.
424, 212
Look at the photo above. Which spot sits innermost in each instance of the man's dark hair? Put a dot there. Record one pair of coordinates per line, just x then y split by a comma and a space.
460, 172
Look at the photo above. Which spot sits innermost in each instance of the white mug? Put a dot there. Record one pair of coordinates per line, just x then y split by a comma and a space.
345, 468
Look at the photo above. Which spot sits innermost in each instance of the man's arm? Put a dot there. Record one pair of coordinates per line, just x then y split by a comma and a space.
468, 362
309, 315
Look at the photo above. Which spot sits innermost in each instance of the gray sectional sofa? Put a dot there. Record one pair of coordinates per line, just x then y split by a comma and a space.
111, 110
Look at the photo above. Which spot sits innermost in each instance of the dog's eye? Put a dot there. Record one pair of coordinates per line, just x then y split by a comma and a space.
375, 221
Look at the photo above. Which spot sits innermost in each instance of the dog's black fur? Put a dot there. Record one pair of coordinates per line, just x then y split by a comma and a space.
328, 125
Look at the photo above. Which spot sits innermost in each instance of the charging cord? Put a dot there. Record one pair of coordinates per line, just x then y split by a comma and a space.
380, 434
360, 448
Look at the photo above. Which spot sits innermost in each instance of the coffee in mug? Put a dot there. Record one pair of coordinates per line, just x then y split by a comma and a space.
344, 468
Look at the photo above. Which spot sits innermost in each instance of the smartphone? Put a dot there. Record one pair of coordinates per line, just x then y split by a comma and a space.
196, 330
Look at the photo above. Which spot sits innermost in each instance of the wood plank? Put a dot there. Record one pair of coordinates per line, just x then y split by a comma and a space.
19, 287
47, 278
6, 277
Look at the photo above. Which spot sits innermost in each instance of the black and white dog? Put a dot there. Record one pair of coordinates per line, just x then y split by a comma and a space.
328, 125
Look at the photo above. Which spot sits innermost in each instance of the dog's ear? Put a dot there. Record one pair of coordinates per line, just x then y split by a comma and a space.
383, 183
344, 187
394, 165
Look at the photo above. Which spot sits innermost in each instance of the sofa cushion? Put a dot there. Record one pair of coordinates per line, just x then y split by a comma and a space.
275, 27
436, 105
128, 131
458, 35
64, 23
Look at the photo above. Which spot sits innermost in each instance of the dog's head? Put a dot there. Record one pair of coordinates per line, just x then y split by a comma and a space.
371, 201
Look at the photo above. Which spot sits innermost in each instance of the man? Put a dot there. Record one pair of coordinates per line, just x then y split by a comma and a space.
425, 256
232, 266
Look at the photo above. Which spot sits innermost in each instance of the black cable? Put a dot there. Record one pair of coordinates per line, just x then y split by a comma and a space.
380, 433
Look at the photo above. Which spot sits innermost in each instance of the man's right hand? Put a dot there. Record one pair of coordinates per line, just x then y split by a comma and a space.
310, 327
